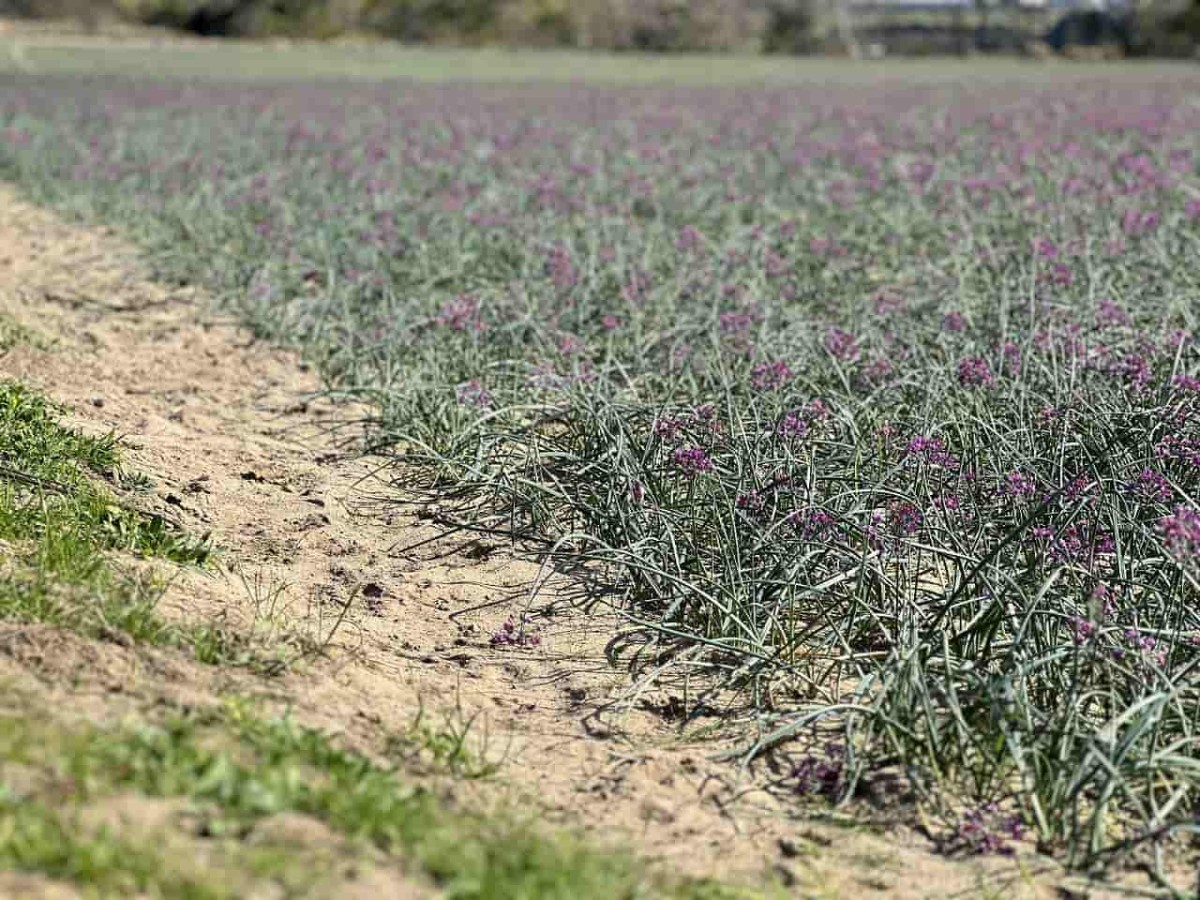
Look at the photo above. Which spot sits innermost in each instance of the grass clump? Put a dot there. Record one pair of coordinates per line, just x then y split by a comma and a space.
237, 769
36, 837
61, 526
51, 474
13, 333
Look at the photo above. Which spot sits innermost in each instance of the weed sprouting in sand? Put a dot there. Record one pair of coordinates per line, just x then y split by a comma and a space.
59, 522
234, 768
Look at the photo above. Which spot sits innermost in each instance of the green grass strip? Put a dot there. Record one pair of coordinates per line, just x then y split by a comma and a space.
238, 769
62, 527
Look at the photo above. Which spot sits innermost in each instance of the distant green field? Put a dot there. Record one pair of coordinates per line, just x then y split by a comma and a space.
373, 61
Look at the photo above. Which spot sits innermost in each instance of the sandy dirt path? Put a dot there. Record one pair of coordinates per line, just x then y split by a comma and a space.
237, 446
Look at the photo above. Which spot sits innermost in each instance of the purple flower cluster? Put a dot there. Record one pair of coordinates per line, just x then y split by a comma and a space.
1081, 542
1181, 534
954, 322
516, 633
753, 502
797, 423
932, 451
813, 524
1151, 487
473, 393
462, 314
692, 461
1019, 485
770, 376
975, 372
984, 831
841, 345
701, 421
820, 774
560, 268
1180, 447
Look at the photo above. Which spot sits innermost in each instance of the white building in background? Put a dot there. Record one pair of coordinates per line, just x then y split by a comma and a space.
951, 5
877, 27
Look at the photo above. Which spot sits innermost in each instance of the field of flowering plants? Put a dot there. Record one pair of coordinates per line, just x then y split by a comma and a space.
877, 403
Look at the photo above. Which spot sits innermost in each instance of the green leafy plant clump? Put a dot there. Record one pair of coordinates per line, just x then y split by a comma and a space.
61, 525
235, 770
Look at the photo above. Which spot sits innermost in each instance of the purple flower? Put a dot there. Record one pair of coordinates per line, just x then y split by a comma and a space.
813, 524
1080, 486
1178, 447
841, 344
1080, 542
1010, 353
1045, 248
680, 355
1151, 486
688, 239
770, 376
792, 425
820, 775
461, 314
774, 265
985, 831
1139, 641
975, 372
821, 246
932, 450
1134, 369
1059, 275
668, 428
560, 268
905, 518
570, 345
636, 288
752, 502
1085, 630
514, 633
472, 393
887, 303
737, 324
1188, 383
692, 461
954, 321
1048, 414
1136, 222
878, 371
1018, 484
1109, 315
1181, 533
798, 422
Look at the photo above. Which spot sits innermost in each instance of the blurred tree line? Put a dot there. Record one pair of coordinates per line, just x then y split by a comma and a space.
654, 25
780, 26
612, 24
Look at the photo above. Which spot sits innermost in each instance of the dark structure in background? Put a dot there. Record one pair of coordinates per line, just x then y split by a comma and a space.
1091, 28
210, 20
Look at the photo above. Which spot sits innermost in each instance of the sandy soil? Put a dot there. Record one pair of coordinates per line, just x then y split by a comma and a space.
239, 445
